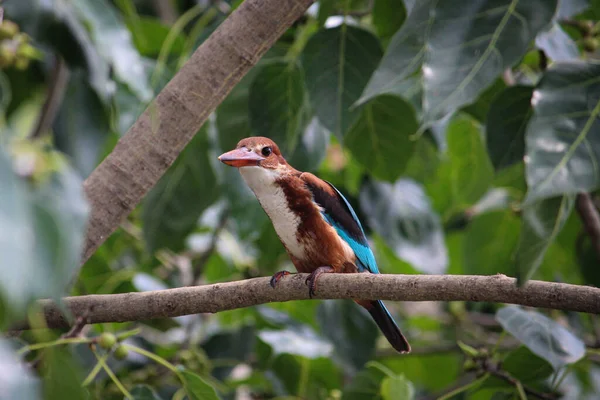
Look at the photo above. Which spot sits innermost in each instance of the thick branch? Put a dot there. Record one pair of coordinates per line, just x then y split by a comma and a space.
141, 157
251, 292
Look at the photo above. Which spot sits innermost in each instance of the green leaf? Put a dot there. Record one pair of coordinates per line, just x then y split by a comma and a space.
397, 388
62, 376
18, 382
402, 214
144, 392
114, 43
149, 36
459, 48
543, 336
306, 378
381, 137
350, 329
311, 148
82, 125
541, 224
197, 388
301, 341
490, 242
388, 16
563, 136
526, 366
365, 385
338, 63
172, 208
277, 98
41, 234
506, 123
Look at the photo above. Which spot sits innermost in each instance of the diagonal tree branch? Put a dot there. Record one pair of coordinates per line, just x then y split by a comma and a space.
251, 292
151, 145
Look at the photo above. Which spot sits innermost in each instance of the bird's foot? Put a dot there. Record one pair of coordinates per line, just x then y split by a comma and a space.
311, 281
277, 277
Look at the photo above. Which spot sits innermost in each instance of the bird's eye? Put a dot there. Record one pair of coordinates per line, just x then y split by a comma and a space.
266, 151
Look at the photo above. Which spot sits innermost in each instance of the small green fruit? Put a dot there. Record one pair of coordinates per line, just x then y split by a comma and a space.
21, 63
120, 353
107, 340
8, 29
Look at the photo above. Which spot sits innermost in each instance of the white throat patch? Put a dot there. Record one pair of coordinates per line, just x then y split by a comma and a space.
272, 199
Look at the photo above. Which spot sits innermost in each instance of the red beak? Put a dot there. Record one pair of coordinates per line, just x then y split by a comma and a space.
241, 158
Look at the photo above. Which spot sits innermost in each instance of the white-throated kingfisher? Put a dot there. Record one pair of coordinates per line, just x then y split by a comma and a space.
316, 224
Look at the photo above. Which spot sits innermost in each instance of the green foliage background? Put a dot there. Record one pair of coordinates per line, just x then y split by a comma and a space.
461, 132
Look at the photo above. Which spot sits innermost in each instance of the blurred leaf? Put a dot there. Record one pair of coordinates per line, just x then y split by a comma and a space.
306, 378
481, 107
114, 43
542, 336
311, 148
569, 8
556, 44
490, 242
81, 126
62, 376
197, 388
506, 123
388, 16
301, 341
172, 208
149, 36
417, 369
17, 381
144, 392
381, 137
326, 8
563, 136
401, 213
350, 329
397, 388
541, 223
338, 63
526, 366
41, 232
365, 385
460, 48
277, 99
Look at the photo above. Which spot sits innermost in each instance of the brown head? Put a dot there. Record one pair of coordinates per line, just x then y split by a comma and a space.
255, 151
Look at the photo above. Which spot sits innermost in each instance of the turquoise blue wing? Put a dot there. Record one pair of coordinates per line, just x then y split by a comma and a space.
338, 212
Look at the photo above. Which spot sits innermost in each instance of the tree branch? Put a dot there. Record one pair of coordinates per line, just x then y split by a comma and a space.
590, 218
151, 145
251, 292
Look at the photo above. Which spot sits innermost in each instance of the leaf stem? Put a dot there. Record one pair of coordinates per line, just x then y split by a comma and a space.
57, 342
88, 379
464, 388
112, 375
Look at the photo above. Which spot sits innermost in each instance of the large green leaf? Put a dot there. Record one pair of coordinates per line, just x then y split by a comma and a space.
351, 331
338, 63
18, 381
402, 214
172, 208
506, 123
277, 100
81, 126
490, 242
563, 136
541, 224
381, 137
460, 49
41, 234
197, 388
365, 385
557, 44
114, 43
543, 336
311, 147
62, 376
526, 366
305, 378
397, 387
149, 36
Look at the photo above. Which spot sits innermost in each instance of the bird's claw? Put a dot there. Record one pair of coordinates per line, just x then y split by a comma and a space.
277, 277
311, 281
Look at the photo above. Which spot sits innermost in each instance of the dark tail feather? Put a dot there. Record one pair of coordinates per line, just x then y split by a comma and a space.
388, 326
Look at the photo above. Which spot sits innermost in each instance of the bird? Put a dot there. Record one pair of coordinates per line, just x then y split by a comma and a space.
316, 224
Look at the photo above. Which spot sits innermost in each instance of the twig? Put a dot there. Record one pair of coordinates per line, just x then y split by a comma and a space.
227, 296
590, 219
56, 91
201, 261
505, 376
